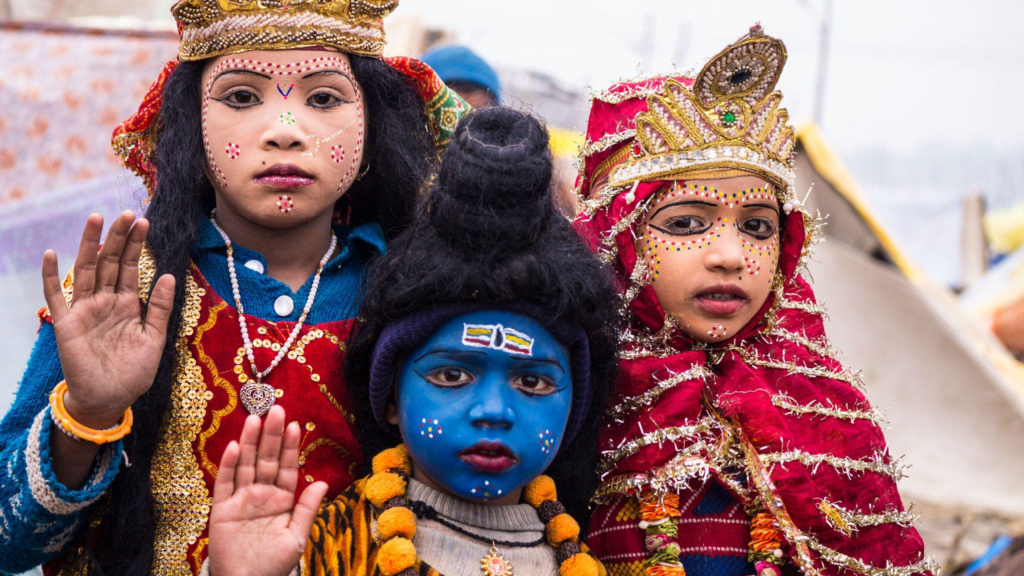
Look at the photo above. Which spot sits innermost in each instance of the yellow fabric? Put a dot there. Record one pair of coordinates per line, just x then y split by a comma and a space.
564, 143
1005, 229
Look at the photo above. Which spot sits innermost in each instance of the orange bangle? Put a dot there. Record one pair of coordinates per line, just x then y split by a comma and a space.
74, 429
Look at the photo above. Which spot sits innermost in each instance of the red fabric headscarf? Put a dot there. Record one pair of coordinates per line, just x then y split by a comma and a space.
770, 413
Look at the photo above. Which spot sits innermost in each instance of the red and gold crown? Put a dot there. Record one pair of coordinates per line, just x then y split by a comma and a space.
725, 119
217, 27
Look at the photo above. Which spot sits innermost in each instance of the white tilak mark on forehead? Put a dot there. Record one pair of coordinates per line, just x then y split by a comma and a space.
497, 337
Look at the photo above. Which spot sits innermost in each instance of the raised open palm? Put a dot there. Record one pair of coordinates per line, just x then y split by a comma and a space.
256, 528
109, 350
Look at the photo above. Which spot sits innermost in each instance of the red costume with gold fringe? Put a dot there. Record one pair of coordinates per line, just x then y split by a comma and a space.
760, 452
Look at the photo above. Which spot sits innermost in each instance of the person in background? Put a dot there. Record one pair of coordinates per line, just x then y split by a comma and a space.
466, 73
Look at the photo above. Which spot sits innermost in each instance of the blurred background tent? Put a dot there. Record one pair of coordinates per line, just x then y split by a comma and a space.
923, 254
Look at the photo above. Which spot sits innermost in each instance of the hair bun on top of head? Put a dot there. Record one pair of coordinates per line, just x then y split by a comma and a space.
493, 188
488, 237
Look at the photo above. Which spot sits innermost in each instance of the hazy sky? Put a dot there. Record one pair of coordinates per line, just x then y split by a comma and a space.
914, 74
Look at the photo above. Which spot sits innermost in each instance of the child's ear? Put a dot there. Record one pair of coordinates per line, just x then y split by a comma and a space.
391, 413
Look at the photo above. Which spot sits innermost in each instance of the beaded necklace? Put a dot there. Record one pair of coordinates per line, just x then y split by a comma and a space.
396, 522
258, 397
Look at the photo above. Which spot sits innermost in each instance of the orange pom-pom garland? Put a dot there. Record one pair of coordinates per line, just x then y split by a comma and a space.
393, 460
581, 564
396, 522
384, 486
561, 528
396, 555
540, 490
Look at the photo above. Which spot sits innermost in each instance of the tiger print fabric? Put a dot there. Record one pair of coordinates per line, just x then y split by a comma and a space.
341, 542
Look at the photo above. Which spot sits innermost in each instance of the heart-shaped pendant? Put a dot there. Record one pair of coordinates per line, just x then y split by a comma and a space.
257, 398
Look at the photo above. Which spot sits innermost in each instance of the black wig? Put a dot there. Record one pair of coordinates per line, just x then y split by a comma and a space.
399, 154
489, 234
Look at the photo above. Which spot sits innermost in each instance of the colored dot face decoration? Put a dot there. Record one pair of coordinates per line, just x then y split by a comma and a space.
430, 427
285, 204
476, 410
718, 331
695, 237
487, 490
337, 153
289, 118
547, 442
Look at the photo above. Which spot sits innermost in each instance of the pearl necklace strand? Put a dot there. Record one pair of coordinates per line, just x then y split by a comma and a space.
259, 397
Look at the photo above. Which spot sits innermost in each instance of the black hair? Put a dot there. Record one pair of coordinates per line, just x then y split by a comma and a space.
489, 234
400, 153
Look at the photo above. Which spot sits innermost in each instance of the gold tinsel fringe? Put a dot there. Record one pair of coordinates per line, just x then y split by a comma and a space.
634, 403
793, 407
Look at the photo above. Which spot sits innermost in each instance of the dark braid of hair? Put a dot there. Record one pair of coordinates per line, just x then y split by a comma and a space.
401, 154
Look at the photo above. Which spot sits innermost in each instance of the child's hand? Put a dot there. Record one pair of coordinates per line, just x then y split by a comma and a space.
109, 350
255, 526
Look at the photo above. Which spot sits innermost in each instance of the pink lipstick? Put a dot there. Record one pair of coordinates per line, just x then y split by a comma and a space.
283, 176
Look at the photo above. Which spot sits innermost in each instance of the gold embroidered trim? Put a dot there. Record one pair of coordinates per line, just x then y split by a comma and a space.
219, 382
817, 408
181, 498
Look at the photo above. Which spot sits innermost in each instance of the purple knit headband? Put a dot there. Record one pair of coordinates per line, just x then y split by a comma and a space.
400, 337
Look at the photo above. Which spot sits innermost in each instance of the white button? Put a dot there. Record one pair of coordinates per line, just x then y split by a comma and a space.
284, 306
255, 265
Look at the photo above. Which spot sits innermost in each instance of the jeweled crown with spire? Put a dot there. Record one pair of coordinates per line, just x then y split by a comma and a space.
727, 118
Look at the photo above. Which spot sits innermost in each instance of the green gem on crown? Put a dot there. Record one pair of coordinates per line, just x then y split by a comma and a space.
729, 119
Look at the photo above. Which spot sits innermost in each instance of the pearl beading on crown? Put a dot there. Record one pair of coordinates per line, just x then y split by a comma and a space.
659, 167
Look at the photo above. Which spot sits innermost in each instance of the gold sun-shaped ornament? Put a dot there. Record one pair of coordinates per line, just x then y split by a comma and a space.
494, 564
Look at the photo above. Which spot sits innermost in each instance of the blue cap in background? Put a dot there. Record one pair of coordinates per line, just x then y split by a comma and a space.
460, 64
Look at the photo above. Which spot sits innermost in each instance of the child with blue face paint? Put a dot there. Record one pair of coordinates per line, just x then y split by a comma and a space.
480, 414
479, 378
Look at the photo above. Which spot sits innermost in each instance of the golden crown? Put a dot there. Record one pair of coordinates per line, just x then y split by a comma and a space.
216, 27
729, 120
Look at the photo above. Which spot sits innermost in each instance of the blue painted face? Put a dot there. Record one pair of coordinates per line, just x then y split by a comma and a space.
483, 403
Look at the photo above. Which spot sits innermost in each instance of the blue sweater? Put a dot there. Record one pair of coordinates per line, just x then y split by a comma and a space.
38, 515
